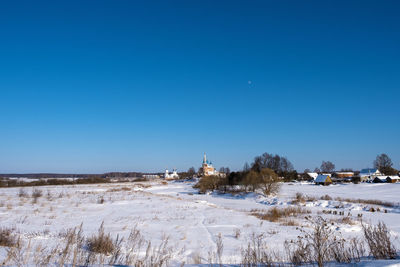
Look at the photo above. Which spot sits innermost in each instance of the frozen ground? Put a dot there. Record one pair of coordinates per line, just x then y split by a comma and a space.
191, 221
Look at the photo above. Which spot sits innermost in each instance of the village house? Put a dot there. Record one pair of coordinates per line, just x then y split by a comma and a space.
369, 174
313, 175
386, 179
323, 180
344, 174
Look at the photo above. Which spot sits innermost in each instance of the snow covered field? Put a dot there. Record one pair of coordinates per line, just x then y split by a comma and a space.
192, 221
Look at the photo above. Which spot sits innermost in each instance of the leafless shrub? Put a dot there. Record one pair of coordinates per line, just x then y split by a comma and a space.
346, 220
314, 246
7, 237
322, 244
299, 198
158, 256
100, 200
275, 214
237, 233
22, 193
196, 258
135, 242
257, 253
36, 194
17, 254
220, 248
49, 196
379, 242
153, 256
311, 199
347, 252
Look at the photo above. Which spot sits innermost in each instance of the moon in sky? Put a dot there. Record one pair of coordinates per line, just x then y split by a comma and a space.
249, 82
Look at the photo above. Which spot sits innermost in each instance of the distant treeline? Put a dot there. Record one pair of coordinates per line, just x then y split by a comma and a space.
48, 175
68, 175
58, 181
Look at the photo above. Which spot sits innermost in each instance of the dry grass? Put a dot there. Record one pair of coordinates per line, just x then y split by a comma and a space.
300, 198
367, 201
101, 243
7, 237
379, 241
118, 189
22, 193
275, 214
326, 197
36, 194
345, 220
289, 222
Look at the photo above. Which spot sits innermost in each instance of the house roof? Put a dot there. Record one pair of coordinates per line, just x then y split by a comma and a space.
321, 178
368, 170
383, 177
312, 174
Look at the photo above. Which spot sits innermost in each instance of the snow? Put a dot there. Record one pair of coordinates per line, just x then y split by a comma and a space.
191, 220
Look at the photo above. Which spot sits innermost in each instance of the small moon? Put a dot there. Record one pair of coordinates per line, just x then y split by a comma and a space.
249, 82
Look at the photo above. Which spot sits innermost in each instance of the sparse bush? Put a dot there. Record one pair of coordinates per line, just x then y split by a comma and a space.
49, 196
269, 181
252, 180
257, 253
326, 197
379, 242
220, 248
300, 197
36, 194
208, 183
237, 233
101, 243
322, 244
22, 193
347, 253
100, 200
314, 246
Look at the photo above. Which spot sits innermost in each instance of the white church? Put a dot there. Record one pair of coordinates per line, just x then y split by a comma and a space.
171, 176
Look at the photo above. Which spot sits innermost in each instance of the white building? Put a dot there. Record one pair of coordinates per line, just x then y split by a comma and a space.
208, 169
170, 176
369, 174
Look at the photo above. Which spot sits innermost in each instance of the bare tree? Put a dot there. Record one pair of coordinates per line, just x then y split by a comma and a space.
246, 167
384, 164
252, 180
270, 181
191, 171
327, 166
225, 170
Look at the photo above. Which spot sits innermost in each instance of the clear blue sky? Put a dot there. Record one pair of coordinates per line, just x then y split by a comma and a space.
96, 86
